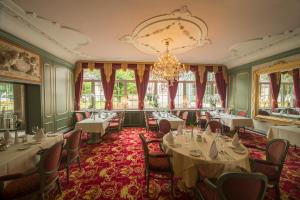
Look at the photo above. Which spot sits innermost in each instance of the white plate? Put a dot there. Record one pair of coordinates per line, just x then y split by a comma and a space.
24, 147
195, 153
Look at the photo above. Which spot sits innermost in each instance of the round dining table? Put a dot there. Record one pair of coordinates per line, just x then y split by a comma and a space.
191, 155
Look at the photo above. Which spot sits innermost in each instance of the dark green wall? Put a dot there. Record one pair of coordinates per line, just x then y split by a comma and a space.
240, 82
50, 104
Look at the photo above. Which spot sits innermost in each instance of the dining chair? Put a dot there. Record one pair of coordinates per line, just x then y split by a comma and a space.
116, 124
151, 123
233, 186
178, 113
157, 165
200, 120
70, 152
184, 116
164, 128
242, 113
78, 117
87, 114
209, 117
214, 126
36, 182
276, 152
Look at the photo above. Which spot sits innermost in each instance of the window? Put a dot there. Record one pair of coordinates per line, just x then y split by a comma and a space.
264, 92
211, 97
92, 94
125, 91
6, 97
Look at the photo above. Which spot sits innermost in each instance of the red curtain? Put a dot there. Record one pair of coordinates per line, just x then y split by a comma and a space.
141, 85
200, 88
275, 79
108, 87
221, 87
172, 93
78, 88
296, 80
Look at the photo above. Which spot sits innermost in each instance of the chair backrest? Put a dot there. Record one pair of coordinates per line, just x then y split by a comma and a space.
208, 117
198, 115
146, 149
78, 117
146, 119
277, 150
164, 126
242, 113
246, 186
185, 115
178, 113
73, 141
214, 126
87, 114
50, 160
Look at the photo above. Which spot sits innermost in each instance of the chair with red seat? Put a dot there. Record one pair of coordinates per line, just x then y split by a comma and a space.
156, 163
215, 126
116, 123
151, 123
87, 114
78, 117
37, 182
233, 186
164, 128
276, 152
70, 153
178, 113
242, 113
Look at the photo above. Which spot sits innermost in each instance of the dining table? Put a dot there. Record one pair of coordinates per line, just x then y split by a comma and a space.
234, 121
290, 133
173, 119
96, 125
189, 155
22, 156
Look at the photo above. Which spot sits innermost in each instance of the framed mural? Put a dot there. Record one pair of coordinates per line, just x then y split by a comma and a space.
17, 63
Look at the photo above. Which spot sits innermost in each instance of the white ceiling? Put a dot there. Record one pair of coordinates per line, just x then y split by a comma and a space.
240, 30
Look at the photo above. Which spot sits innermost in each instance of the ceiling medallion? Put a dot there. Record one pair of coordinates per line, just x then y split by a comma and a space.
185, 30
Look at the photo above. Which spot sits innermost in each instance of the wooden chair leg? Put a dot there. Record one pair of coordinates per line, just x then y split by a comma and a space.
172, 185
58, 185
147, 184
277, 190
68, 172
78, 161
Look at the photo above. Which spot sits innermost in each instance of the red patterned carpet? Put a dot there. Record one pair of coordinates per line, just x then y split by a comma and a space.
114, 169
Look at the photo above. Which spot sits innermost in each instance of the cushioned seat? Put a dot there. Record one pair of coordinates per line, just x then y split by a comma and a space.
269, 170
151, 122
113, 124
159, 164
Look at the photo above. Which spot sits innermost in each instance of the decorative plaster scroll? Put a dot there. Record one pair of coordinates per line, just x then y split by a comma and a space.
108, 71
140, 71
201, 71
186, 31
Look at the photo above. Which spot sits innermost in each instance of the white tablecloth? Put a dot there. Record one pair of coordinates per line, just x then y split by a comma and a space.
290, 133
234, 121
186, 166
174, 120
97, 125
14, 160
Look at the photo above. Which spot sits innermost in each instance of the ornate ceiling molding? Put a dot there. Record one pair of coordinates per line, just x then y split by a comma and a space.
258, 48
180, 26
63, 37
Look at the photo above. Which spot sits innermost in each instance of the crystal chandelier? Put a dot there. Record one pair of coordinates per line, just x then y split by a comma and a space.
168, 66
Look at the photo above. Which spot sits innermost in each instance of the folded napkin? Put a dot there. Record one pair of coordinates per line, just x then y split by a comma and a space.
170, 138
235, 140
213, 151
40, 134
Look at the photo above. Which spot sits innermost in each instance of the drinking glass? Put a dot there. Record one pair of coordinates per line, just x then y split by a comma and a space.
187, 136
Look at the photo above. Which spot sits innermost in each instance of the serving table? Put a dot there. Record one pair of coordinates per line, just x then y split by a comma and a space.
186, 164
22, 157
290, 133
174, 120
95, 126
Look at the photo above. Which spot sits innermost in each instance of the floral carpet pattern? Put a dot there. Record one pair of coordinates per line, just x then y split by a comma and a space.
114, 169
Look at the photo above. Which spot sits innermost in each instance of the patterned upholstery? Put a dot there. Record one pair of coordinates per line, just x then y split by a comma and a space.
164, 126
214, 126
78, 117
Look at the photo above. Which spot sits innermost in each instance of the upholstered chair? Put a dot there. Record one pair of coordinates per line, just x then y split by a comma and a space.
87, 114
276, 152
178, 113
116, 123
36, 183
214, 126
78, 117
151, 123
164, 128
242, 113
233, 186
70, 153
157, 163
184, 116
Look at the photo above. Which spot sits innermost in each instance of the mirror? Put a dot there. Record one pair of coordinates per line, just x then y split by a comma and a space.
274, 94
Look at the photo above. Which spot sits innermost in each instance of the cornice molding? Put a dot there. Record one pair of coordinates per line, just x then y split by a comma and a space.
14, 19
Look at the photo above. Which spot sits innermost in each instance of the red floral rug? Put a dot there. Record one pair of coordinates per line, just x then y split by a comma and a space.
114, 169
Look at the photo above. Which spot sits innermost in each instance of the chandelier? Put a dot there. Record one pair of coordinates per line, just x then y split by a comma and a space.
168, 66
